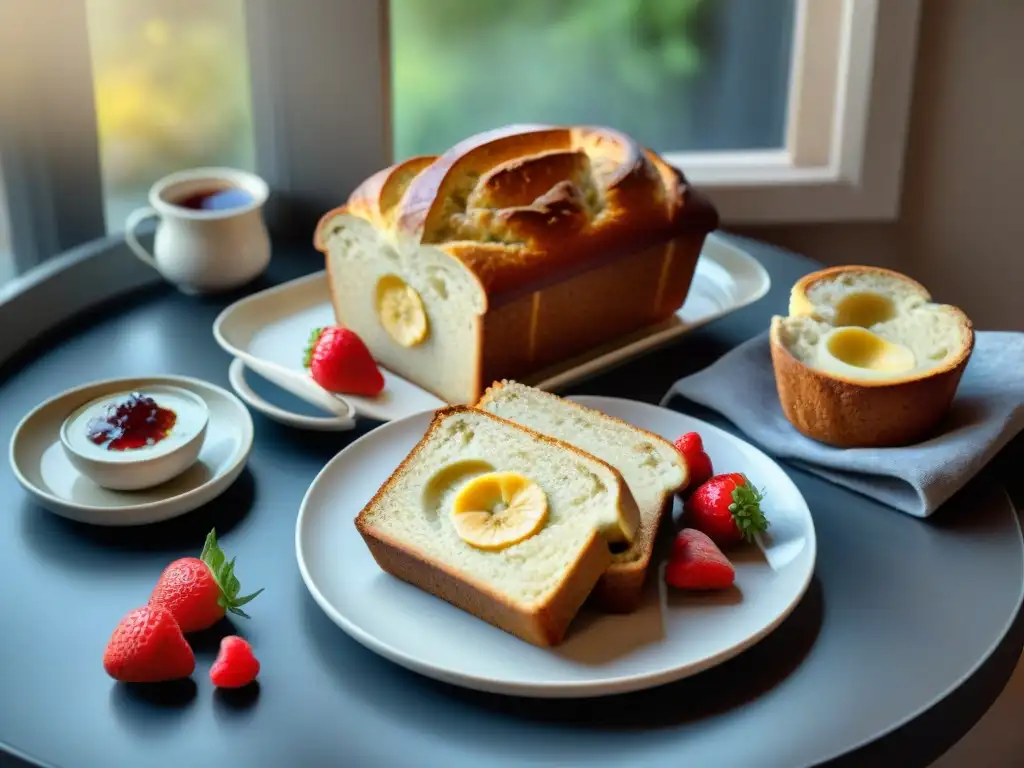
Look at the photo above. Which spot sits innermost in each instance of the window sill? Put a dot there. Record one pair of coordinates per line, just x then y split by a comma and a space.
766, 188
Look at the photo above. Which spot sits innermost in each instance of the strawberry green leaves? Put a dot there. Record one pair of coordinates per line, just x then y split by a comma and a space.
223, 571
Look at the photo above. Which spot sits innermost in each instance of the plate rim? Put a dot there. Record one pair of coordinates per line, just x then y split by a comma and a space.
159, 509
551, 689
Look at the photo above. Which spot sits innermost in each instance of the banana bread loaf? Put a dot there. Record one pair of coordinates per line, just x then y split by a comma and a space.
515, 249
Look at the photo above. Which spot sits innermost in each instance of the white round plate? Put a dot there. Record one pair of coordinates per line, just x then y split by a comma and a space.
38, 460
672, 635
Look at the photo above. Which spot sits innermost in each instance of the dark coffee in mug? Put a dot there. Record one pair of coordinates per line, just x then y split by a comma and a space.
215, 199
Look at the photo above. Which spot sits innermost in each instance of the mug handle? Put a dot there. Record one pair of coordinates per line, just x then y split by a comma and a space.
135, 218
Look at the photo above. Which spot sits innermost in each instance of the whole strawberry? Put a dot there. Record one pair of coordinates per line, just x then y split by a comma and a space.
727, 508
696, 563
147, 647
235, 665
697, 461
198, 591
339, 361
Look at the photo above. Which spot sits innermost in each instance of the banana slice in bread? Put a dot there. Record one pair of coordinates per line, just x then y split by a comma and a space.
501, 521
401, 311
499, 509
866, 359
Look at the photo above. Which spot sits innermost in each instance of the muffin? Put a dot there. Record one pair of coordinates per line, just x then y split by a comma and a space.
866, 358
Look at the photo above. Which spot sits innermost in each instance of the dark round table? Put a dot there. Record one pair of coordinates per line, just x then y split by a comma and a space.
908, 632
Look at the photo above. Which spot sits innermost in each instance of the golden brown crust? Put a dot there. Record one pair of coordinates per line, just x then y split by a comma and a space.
620, 589
544, 623
522, 180
550, 223
451, 176
551, 326
677, 274
481, 201
859, 414
375, 199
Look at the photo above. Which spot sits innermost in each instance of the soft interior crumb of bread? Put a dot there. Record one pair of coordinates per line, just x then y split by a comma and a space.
359, 256
933, 332
651, 468
582, 495
827, 294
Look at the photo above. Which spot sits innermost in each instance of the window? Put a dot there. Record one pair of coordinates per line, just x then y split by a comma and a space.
775, 108
674, 74
171, 86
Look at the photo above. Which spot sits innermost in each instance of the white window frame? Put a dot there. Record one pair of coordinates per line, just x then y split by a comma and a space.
320, 79
851, 85
845, 134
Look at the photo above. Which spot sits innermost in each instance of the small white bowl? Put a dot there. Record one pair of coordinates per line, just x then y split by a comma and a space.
149, 465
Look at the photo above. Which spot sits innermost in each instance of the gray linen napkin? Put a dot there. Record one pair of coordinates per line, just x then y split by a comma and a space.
987, 412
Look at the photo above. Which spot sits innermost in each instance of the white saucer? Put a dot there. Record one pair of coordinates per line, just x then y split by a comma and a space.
673, 634
41, 466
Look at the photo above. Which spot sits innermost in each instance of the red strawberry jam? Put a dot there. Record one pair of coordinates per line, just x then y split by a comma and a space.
136, 421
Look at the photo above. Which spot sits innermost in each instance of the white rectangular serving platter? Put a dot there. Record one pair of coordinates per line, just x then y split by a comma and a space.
268, 332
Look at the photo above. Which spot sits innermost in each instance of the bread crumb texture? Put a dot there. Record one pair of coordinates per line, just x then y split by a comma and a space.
651, 467
893, 308
415, 511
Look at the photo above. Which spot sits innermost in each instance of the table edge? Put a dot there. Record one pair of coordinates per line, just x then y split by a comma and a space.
105, 269
909, 727
65, 286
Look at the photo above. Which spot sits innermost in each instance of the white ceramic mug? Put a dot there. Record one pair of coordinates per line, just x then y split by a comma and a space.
202, 250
